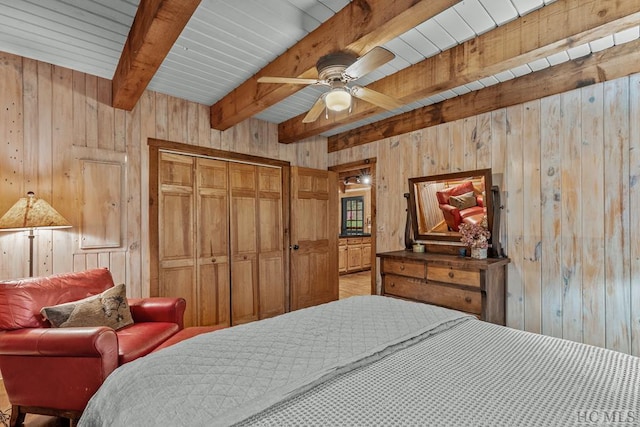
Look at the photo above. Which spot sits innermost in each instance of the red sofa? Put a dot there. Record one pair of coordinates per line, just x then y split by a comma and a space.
55, 371
453, 215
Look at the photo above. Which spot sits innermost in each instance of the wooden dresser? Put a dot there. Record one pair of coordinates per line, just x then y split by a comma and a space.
470, 285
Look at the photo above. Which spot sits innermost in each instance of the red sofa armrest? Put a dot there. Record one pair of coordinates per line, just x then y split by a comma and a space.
158, 309
56, 368
99, 341
451, 216
450, 209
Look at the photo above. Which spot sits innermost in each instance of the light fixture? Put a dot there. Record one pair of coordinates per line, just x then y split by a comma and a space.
338, 99
30, 213
365, 178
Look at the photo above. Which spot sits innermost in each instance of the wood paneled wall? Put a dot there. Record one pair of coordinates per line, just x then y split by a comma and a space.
569, 170
54, 120
568, 167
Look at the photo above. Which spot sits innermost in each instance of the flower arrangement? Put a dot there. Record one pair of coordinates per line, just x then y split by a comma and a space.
474, 235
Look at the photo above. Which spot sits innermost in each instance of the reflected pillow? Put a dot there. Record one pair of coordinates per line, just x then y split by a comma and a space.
110, 308
463, 201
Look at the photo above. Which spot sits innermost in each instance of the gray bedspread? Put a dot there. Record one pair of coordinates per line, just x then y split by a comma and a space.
372, 361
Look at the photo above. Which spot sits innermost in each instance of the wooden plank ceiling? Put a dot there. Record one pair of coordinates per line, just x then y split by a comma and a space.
453, 59
538, 37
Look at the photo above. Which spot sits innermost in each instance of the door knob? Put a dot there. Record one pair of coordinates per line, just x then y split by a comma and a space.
294, 247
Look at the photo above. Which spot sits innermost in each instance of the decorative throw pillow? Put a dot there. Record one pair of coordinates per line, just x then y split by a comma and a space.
110, 308
463, 201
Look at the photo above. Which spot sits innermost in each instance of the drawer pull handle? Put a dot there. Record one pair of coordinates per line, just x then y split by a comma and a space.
213, 260
393, 284
402, 267
467, 300
451, 274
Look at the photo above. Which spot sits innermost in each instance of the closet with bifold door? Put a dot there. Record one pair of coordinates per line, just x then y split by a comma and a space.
220, 238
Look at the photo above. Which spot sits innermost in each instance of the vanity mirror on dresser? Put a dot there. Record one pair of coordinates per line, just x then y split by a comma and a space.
475, 286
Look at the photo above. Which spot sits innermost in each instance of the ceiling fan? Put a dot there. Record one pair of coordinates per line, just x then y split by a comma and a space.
337, 70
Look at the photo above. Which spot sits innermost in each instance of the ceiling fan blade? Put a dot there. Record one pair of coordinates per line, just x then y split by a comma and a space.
315, 111
376, 98
368, 62
289, 80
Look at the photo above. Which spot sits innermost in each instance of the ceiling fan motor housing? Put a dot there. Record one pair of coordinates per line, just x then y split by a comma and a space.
331, 67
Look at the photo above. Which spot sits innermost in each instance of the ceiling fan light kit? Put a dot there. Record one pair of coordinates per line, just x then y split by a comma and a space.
336, 70
338, 99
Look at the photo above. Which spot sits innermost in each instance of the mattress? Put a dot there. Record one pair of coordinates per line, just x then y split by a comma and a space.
371, 360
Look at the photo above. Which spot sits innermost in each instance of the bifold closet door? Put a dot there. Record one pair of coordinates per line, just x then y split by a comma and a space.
194, 236
221, 239
257, 247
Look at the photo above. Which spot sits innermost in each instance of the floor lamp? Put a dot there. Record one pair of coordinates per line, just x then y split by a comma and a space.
30, 213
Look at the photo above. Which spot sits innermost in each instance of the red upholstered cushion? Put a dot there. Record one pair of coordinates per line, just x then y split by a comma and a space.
22, 299
140, 339
187, 333
474, 211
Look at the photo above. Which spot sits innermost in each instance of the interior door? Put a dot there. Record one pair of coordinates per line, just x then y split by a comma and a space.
314, 237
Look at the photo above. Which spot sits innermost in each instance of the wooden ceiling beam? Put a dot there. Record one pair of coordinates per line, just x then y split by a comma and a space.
358, 27
552, 29
155, 29
612, 63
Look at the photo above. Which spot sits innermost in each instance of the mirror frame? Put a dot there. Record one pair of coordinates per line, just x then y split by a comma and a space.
488, 200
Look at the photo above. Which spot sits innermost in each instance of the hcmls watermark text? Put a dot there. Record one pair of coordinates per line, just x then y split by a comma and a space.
609, 418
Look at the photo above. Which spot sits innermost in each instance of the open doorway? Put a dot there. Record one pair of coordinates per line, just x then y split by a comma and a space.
357, 236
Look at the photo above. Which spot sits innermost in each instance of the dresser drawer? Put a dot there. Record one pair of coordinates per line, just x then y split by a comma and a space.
446, 296
451, 275
405, 268
354, 241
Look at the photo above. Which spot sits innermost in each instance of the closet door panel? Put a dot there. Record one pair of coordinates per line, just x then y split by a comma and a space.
176, 212
271, 246
244, 243
213, 243
244, 225
272, 289
179, 281
177, 276
244, 295
214, 294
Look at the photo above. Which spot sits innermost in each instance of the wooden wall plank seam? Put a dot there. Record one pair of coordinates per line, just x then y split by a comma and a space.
593, 208
634, 210
616, 183
550, 183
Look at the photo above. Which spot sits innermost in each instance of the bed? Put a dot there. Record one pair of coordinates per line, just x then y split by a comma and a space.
372, 360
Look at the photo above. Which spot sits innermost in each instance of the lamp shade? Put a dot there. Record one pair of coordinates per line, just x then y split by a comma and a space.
31, 212
338, 100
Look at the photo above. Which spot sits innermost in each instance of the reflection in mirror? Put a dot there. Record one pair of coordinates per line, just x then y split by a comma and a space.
440, 203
